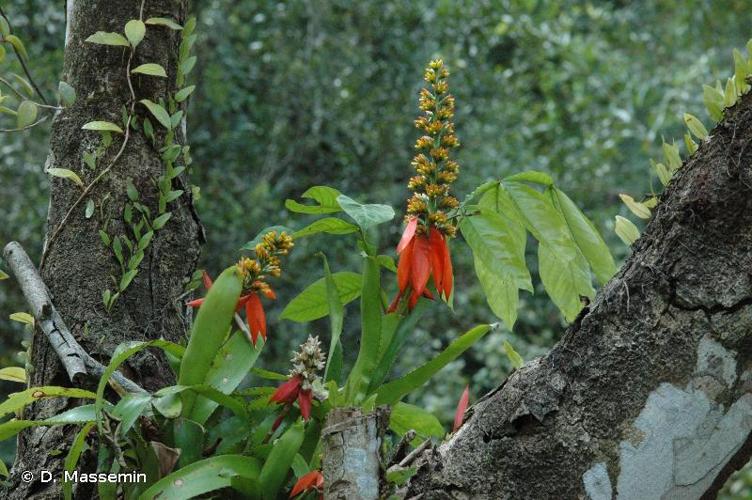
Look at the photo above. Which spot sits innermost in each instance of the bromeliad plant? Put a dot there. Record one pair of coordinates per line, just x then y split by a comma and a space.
207, 432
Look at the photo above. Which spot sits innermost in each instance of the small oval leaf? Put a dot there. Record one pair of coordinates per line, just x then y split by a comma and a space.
135, 31
104, 38
151, 69
66, 174
102, 126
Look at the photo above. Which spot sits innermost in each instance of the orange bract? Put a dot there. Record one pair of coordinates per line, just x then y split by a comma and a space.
420, 257
313, 480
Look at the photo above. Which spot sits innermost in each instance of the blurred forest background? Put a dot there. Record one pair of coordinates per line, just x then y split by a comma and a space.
294, 94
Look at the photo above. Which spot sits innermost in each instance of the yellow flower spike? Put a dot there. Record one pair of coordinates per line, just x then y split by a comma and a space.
436, 170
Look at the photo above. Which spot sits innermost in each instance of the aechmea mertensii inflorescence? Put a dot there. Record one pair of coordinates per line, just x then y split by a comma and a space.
423, 250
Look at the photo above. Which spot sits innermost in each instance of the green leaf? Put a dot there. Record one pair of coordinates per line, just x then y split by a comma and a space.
89, 209
26, 114
565, 281
127, 279
730, 95
405, 417
497, 240
3, 275
164, 21
160, 221
672, 156
366, 216
73, 456
122, 352
587, 238
269, 375
691, 145
27, 88
500, 289
637, 208
18, 45
209, 331
102, 126
13, 374
400, 476
325, 196
513, 356
626, 230
183, 94
104, 38
175, 119
532, 176
169, 405
395, 390
397, 340
22, 317
161, 114
542, 219
187, 65
67, 94
370, 333
135, 31
16, 401
230, 366
499, 259
129, 408
189, 439
4, 28
663, 173
713, 100
387, 262
151, 69
741, 70
2, 58
312, 303
329, 225
77, 415
695, 126
336, 318
201, 477
131, 191
277, 464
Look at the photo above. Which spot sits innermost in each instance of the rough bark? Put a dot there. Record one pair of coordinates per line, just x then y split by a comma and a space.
77, 265
647, 395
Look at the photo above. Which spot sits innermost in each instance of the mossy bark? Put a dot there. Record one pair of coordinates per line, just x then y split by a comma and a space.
77, 267
649, 392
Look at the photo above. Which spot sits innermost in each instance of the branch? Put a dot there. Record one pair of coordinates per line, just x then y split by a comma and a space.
77, 362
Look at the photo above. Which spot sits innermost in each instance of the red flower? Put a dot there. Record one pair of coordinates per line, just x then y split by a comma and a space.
291, 390
461, 407
420, 257
314, 480
254, 310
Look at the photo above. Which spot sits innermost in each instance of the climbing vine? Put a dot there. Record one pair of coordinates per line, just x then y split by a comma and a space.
141, 221
160, 127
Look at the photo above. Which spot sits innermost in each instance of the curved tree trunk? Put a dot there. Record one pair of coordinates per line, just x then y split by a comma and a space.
77, 266
648, 394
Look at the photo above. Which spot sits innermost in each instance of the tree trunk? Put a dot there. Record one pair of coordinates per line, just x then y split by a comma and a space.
77, 266
647, 395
